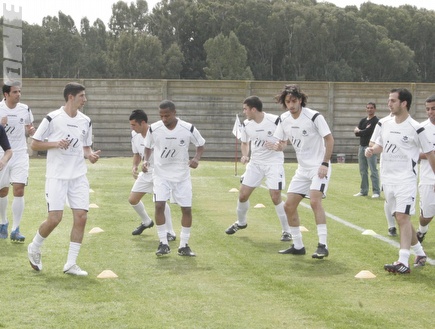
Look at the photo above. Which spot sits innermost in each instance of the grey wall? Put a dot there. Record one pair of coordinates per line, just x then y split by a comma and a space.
212, 105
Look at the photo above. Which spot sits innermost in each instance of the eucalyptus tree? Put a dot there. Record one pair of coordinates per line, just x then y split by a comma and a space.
226, 59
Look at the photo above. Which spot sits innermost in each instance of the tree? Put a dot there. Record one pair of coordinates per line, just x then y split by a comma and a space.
226, 59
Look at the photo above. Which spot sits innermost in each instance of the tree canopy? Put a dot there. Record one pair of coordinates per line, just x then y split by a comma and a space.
237, 39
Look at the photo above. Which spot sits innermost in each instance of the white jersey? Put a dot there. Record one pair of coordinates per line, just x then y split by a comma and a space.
401, 145
258, 134
427, 176
18, 118
306, 134
57, 125
138, 146
171, 149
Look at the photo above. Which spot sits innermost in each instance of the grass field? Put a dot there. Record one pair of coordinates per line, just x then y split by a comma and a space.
237, 281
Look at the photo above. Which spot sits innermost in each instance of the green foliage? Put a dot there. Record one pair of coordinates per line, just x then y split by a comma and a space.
285, 40
237, 281
226, 59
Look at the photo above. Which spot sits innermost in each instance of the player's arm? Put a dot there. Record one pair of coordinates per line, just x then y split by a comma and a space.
136, 162
193, 163
146, 159
4, 143
430, 156
245, 152
375, 149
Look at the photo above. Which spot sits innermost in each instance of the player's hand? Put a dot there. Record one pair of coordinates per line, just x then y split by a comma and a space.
63, 144
135, 172
244, 159
323, 171
4, 121
94, 156
193, 163
145, 166
368, 152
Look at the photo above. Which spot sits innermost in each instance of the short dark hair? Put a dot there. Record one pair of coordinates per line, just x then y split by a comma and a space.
7, 86
139, 116
404, 95
371, 103
254, 101
72, 88
293, 90
430, 99
167, 104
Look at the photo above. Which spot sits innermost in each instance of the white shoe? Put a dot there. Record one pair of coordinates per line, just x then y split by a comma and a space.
34, 258
375, 196
74, 270
359, 194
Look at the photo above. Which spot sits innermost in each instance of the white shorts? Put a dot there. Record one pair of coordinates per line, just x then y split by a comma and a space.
17, 170
306, 180
400, 198
254, 174
427, 200
181, 192
143, 183
59, 191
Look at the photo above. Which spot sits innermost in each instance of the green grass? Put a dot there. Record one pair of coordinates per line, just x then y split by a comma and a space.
235, 281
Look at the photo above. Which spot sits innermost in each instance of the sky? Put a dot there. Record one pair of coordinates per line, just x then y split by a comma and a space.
34, 11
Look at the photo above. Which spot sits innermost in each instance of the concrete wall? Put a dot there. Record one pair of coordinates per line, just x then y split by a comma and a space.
212, 106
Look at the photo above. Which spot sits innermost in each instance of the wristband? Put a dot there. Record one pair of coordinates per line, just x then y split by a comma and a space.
326, 164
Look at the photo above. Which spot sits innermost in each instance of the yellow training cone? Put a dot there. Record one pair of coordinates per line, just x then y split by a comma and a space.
93, 205
368, 232
96, 230
107, 274
233, 190
365, 275
303, 229
259, 205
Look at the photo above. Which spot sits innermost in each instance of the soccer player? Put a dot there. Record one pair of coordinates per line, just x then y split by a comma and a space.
427, 178
17, 119
66, 135
170, 138
143, 181
391, 221
399, 141
257, 135
312, 141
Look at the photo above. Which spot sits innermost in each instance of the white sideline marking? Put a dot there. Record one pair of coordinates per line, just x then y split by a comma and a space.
358, 228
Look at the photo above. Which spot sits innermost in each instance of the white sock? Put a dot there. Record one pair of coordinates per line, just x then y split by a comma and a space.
322, 233
279, 208
242, 209
161, 232
423, 229
168, 219
37, 241
17, 210
388, 214
297, 237
140, 210
3, 207
404, 256
73, 253
184, 236
418, 249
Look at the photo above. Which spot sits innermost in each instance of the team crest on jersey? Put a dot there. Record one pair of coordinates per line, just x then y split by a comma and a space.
269, 134
21, 120
405, 139
304, 133
182, 142
83, 132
